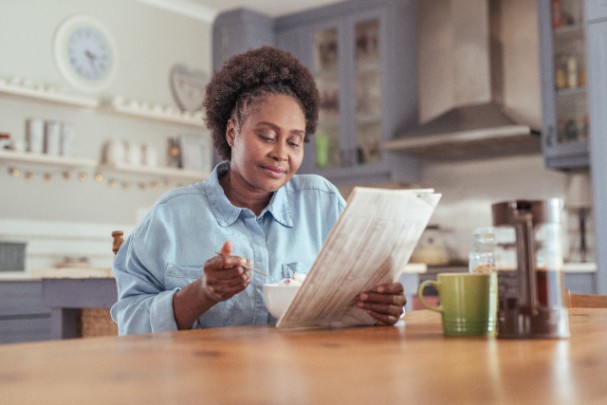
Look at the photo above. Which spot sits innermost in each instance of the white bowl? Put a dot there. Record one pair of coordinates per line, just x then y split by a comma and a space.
277, 298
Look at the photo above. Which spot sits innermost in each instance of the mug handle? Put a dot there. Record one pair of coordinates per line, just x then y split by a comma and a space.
420, 295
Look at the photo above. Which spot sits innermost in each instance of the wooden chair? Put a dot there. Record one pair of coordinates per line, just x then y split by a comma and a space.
584, 300
118, 238
97, 321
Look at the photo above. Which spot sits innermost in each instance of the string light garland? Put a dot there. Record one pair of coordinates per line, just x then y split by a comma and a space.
49, 176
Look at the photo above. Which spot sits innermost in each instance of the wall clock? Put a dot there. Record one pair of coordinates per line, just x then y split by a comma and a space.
188, 87
85, 53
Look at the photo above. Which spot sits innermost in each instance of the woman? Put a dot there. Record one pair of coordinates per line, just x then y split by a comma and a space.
188, 263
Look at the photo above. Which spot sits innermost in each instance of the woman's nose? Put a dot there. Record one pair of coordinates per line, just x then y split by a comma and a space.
280, 151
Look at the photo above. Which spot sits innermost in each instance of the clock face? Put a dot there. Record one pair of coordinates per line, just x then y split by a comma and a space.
85, 53
89, 53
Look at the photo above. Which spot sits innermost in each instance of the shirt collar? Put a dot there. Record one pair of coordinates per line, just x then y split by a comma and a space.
226, 213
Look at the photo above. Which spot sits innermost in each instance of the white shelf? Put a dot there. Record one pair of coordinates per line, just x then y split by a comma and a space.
27, 89
176, 118
161, 172
47, 160
49, 95
23, 158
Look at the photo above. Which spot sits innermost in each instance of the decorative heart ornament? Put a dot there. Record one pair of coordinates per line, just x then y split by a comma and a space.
188, 87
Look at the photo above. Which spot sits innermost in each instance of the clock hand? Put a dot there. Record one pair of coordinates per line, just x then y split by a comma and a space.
90, 55
92, 58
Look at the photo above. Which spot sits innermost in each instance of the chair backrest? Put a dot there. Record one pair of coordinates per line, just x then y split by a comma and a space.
118, 238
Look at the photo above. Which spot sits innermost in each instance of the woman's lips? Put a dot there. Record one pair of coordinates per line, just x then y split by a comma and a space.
275, 172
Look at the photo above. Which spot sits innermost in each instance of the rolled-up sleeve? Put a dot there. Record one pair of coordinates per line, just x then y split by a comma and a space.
144, 304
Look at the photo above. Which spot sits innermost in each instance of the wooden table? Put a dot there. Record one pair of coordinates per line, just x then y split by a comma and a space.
412, 363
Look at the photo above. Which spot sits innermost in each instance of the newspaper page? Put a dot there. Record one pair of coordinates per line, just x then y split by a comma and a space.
369, 245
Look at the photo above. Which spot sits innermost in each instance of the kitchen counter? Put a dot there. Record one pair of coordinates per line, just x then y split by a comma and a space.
579, 278
46, 304
55, 273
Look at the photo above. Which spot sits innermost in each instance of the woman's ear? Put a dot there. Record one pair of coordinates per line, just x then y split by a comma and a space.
231, 131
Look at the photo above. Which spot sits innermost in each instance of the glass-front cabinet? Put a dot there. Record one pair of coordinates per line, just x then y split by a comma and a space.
363, 57
367, 87
332, 149
564, 83
326, 73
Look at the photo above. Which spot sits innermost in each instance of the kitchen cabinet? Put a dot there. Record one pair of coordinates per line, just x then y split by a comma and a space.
363, 56
23, 315
596, 17
564, 83
236, 31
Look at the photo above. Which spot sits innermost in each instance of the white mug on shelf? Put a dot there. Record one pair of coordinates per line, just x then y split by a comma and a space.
35, 135
67, 138
133, 153
150, 156
52, 138
115, 152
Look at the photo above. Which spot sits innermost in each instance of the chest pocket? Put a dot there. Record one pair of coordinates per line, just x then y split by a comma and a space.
288, 269
179, 275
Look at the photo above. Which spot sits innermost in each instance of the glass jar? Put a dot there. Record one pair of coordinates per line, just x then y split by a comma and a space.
482, 255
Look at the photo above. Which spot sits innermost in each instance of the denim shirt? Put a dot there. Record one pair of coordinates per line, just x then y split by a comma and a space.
186, 226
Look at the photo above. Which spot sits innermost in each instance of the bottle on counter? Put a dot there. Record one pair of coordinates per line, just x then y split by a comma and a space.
482, 255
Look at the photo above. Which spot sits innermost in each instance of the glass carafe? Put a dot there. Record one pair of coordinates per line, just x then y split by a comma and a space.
529, 261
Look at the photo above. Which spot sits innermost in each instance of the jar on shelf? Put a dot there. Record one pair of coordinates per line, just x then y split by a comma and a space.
560, 73
482, 255
572, 72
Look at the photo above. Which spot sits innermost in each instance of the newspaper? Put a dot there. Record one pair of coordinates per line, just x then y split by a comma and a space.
369, 245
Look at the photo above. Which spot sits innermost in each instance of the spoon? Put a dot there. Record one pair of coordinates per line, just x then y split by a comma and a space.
255, 270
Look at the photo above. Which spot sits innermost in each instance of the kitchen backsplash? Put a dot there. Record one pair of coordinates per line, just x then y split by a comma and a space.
469, 189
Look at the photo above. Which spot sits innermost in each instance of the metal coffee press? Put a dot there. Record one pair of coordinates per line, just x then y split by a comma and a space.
529, 262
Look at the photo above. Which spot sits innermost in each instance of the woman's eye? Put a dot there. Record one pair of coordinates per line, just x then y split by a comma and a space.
294, 144
266, 138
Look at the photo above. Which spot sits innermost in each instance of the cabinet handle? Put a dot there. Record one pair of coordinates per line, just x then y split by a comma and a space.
348, 157
549, 139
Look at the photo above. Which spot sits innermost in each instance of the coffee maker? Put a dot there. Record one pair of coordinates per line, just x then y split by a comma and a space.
529, 262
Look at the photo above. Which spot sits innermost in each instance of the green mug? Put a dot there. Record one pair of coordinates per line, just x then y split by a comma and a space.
467, 303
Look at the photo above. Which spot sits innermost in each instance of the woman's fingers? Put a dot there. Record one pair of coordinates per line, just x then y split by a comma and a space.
225, 275
385, 302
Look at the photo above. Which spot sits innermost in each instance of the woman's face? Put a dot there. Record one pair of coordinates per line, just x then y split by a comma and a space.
268, 148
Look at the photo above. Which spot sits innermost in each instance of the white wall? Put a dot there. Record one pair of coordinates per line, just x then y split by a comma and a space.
149, 41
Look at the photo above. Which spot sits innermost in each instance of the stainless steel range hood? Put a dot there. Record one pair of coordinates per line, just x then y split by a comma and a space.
477, 124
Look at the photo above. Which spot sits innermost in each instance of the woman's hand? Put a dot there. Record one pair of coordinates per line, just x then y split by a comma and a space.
224, 275
386, 303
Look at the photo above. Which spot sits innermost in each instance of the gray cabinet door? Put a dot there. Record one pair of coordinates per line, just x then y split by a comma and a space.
597, 68
23, 315
596, 10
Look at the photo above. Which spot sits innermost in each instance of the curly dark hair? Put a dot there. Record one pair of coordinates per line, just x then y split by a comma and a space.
249, 77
